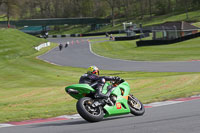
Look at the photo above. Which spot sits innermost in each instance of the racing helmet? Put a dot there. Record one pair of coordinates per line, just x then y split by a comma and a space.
93, 70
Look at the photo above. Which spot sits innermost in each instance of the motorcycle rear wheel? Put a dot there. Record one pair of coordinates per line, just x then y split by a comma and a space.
87, 112
136, 107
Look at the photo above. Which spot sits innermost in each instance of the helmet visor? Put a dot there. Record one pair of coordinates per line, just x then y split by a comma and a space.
96, 72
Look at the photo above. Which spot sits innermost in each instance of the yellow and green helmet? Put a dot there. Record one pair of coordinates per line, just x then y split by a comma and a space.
93, 70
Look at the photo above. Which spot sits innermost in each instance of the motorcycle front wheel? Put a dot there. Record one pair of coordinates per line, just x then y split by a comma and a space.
87, 112
135, 106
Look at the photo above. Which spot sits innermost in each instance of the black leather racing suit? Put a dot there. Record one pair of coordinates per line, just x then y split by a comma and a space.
96, 82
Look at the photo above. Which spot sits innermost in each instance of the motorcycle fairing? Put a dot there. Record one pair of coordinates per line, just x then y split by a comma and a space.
121, 99
81, 88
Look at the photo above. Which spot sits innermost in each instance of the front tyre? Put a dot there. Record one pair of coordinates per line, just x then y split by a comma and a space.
87, 112
136, 107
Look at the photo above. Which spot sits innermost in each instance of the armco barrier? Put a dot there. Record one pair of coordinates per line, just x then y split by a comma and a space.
127, 38
42, 46
75, 35
54, 36
165, 42
102, 33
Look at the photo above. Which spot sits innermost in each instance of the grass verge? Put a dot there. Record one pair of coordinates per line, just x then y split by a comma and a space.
182, 51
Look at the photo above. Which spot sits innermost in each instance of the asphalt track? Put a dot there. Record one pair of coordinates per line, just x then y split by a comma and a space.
79, 54
176, 118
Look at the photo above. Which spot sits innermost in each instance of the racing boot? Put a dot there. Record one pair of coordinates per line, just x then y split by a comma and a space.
100, 95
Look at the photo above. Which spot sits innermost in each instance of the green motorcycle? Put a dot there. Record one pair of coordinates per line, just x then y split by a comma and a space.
120, 101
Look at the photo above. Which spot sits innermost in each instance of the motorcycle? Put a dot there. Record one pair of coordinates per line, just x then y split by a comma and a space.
119, 102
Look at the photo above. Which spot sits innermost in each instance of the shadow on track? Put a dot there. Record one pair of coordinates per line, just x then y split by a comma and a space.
118, 117
78, 122
63, 123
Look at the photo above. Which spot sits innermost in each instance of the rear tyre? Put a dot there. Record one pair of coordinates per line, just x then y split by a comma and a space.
136, 107
87, 112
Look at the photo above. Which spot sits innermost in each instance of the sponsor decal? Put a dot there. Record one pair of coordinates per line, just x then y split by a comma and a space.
118, 105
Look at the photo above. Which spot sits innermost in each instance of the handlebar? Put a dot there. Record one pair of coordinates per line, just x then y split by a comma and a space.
116, 83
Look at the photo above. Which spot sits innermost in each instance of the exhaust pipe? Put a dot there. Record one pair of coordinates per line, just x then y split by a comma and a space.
72, 91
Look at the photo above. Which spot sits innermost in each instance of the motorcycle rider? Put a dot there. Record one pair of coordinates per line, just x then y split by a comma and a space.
95, 81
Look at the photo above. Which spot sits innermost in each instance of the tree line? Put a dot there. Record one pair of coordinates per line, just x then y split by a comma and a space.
114, 9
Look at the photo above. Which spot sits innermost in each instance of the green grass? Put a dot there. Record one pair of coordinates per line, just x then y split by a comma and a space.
183, 51
31, 88
197, 24
13, 46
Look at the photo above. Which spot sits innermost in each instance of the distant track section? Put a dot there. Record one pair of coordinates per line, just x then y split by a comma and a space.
79, 54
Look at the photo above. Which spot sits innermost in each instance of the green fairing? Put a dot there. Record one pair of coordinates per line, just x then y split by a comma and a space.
112, 110
82, 88
125, 86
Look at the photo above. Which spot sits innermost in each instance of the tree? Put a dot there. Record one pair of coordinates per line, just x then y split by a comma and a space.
196, 4
86, 8
160, 7
141, 9
126, 5
12, 9
1, 2
112, 6
95, 8
169, 5
56, 5
150, 9
186, 8
99, 8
